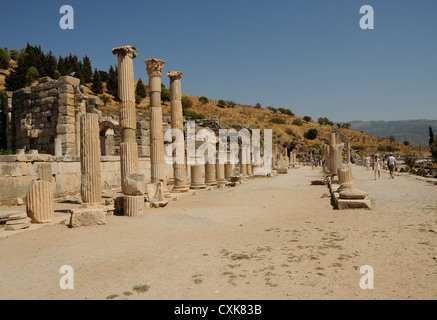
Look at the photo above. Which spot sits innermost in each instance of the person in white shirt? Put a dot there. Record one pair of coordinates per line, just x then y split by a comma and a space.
367, 162
391, 163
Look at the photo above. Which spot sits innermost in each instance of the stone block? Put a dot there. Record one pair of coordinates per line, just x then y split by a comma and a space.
17, 226
87, 217
68, 80
65, 128
134, 184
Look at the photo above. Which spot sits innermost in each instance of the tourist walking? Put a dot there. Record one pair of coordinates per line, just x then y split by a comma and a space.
391, 163
367, 162
377, 166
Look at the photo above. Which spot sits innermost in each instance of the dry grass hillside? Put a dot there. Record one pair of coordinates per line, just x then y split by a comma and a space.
287, 134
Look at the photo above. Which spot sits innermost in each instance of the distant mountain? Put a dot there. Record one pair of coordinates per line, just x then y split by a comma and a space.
414, 131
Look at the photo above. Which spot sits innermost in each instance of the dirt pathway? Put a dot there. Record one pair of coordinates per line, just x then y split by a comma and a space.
269, 238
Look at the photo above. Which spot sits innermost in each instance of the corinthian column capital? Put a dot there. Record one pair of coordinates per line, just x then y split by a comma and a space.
154, 67
126, 51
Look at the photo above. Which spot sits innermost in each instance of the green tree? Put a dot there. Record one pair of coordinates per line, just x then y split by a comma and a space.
97, 85
311, 134
112, 83
258, 105
140, 89
191, 114
87, 70
203, 100
346, 125
272, 109
186, 103
278, 120
307, 119
406, 143
4, 59
431, 136
32, 73
325, 121
221, 103
165, 95
297, 122
15, 54
230, 104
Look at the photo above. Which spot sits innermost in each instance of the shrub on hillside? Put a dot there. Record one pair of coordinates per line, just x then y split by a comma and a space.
311, 134
272, 109
203, 100
186, 103
307, 119
278, 120
410, 160
297, 122
325, 121
4, 59
105, 99
191, 114
221, 103
290, 132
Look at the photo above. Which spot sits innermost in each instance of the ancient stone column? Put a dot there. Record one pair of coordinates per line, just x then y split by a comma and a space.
177, 122
348, 151
220, 172
126, 107
242, 160
157, 160
345, 177
197, 181
40, 202
128, 160
210, 174
229, 171
91, 187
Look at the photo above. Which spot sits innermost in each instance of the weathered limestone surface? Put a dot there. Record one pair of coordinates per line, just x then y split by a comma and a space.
40, 202
210, 174
91, 186
229, 171
197, 181
220, 172
133, 206
177, 122
87, 217
154, 71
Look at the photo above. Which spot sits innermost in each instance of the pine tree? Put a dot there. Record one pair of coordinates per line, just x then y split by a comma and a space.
97, 86
140, 90
112, 83
87, 71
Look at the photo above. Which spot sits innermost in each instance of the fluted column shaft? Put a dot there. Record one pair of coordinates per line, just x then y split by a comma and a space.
157, 160
40, 202
91, 186
210, 174
177, 122
128, 121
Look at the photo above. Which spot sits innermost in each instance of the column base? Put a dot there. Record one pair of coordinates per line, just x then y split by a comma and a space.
180, 189
198, 186
211, 183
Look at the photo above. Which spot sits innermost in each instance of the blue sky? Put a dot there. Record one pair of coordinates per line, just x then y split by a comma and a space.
309, 55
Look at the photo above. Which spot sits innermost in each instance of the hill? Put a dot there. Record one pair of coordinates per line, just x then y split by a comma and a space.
414, 131
288, 130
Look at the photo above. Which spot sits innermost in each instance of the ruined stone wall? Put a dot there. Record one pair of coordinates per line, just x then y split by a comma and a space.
46, 111
18, 171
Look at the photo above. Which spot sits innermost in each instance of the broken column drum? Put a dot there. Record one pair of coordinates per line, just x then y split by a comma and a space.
40, 202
